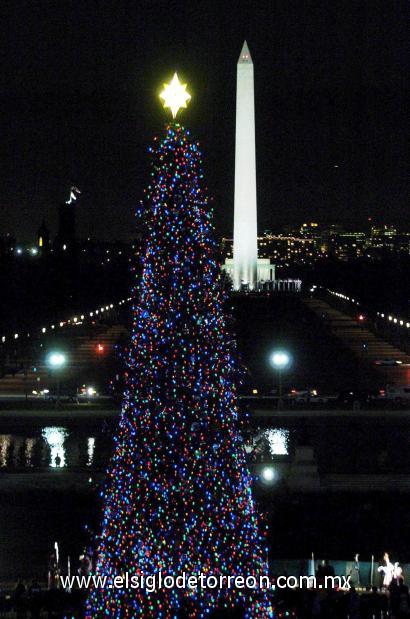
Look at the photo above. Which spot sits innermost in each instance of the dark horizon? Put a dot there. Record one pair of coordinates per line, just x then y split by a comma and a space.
80, 107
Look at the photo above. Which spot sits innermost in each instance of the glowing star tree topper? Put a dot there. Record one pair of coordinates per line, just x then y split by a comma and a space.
175, 95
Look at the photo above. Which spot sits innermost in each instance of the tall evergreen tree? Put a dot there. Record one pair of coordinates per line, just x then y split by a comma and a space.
178, 495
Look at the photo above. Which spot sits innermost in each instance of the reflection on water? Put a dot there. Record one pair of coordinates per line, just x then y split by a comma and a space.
52, 447
56, 447
15, 449
265, 444
5, 444
90, 450
278, 440
29, 451
55, 439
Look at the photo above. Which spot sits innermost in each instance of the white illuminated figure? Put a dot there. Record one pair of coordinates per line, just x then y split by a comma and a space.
245, 236
387, 569
74, 193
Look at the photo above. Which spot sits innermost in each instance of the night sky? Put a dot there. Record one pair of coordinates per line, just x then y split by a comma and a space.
79, 83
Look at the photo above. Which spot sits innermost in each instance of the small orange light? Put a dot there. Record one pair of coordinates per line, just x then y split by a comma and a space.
100, 349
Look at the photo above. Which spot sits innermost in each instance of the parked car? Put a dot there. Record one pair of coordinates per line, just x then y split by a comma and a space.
41, 393
310, 396
85, 392
348, 396
396, 393
300, 396
63, 397
388, 362
323, 398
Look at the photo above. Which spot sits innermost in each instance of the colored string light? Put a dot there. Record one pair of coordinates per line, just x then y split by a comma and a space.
178, 493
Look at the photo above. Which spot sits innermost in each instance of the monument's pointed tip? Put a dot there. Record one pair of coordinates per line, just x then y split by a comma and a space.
245, 55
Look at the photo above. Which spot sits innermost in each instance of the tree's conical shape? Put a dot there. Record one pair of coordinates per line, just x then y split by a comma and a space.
178, 496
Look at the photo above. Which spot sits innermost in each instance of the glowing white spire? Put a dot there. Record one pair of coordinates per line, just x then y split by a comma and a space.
245, 244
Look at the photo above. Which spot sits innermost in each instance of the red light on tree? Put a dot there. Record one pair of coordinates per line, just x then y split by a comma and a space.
100, 349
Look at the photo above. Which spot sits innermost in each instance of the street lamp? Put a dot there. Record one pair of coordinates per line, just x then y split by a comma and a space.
280, 360
56, 360
268, 474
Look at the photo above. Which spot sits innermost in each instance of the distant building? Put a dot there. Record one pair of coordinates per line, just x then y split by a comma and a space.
383, 237
403, 242
310, 230
277, 249
67, 211
310, 242
66, 235
103, 253
348, 245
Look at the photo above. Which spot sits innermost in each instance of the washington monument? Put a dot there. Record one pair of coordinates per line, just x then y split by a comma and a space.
245, 242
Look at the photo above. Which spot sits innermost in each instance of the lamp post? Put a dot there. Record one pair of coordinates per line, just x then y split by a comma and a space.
280, 360
56, 360
268, 474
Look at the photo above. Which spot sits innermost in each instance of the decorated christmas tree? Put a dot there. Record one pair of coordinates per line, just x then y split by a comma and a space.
178, 493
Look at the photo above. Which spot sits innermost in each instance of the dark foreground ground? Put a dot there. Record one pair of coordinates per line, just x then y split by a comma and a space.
298, 604
335, 527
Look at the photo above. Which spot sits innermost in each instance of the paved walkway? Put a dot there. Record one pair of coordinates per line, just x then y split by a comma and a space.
369, 347
82, 357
